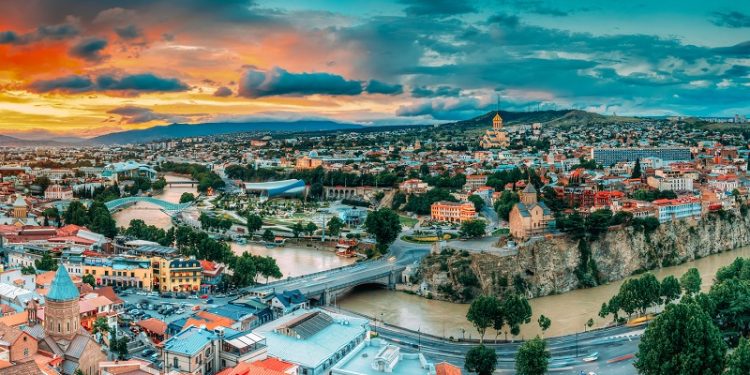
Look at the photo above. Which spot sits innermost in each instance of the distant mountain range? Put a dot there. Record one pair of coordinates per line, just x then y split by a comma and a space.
8, 141
200, 130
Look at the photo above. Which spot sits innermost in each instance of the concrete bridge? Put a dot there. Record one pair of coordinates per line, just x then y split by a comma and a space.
168, 207
324, 287
190, 182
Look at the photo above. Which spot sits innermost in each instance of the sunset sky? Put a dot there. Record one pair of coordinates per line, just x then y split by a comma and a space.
83, 68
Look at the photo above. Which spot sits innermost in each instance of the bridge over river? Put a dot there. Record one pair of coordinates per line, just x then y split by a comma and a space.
325, 286
168, 207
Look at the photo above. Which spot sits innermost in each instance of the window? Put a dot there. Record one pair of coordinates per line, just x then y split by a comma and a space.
176, 363
25, 352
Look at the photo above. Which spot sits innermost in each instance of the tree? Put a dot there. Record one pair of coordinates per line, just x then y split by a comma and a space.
481, 359
244, 270
310, 228
532, 357
254, 223
76, 214
517, 311
691, 281
682, 340
268, 235
738, 363
100, 220
267, 267
187, 197
481, 314
297, 228
28, 270
636, 169
100, 325
669, 289
47, 263
385, 225
334, 226
478, 202
89, 279
43, 182
472, 228
544, 323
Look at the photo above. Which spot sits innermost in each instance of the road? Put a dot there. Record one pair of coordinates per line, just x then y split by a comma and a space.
567, 352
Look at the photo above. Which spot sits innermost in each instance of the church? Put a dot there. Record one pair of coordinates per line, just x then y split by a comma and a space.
496, 137
529, 217
55, 341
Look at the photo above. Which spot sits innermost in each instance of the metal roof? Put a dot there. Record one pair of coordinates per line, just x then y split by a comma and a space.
62, 287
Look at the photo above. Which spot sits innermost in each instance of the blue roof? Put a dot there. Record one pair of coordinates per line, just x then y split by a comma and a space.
192, 339
62, 287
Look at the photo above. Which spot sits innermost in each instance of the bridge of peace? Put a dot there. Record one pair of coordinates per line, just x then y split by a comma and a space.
168, 207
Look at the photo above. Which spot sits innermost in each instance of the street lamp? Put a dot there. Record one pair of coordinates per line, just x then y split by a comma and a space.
419, 339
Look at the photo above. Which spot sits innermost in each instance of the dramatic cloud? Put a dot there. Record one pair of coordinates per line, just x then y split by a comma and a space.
437, 7
89, 49
426, 92
446, 109
138, 115
223, 92
55, 32
132, 83
128, 32
257, 83
731, 19
377, 87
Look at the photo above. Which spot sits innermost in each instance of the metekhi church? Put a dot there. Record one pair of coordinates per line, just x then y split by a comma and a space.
497, 137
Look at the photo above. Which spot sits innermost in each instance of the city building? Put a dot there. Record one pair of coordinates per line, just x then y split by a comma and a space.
475, 181
609, 156
676, 209
529, 217
58, 192
670, 183
177, 275
307, 162
128, 170
495, 137
413, 186
202, 351
274, 189
453, 212
314, 340
211, 277
374, 357
120, 272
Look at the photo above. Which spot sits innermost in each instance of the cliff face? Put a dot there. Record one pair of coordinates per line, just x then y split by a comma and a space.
548, 266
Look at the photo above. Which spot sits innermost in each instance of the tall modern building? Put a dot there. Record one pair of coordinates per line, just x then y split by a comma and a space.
609, 156
496, 137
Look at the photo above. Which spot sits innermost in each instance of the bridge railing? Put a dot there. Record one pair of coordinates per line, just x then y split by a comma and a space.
308, 275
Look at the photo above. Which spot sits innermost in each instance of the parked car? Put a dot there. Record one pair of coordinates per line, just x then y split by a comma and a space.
210, 300
193, 296
180, 296
204, 296
148, 352
151, 307
166, 295
153, 294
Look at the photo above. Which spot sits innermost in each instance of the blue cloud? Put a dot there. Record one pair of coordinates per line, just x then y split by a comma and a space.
377, 87
89, 49
731, 19
277, 81
426, 92
131, 83
437, 7
46, 32
128, 32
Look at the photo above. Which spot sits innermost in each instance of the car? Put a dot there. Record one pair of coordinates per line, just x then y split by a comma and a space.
145, 316
151, 307
166, 295
205, 296
180, 296
210, 300
180, 311
148, 352
154, 357
153, 294
134, 312
193, 296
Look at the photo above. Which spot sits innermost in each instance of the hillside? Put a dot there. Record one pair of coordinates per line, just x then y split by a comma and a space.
8, 141
548, 118
199, 130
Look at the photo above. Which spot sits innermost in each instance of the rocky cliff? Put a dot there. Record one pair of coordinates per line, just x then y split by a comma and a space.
548, 266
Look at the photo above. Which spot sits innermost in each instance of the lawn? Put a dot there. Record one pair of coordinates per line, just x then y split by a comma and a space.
408, 221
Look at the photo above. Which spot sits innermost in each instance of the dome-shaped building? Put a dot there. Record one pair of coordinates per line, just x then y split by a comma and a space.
62, 312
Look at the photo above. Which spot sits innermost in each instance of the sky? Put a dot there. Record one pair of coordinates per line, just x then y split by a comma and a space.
84, 68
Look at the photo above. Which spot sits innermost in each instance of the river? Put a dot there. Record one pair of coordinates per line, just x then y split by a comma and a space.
568, 311
293, 261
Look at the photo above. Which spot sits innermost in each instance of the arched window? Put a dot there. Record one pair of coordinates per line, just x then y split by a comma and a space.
59, 327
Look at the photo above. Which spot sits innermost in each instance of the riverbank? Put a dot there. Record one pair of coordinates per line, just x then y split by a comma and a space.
568, 311
551, 265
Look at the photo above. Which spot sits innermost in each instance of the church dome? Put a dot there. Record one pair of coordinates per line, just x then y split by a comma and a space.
62, 287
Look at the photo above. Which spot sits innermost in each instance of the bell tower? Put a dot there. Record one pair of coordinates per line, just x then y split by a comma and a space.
62, 317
